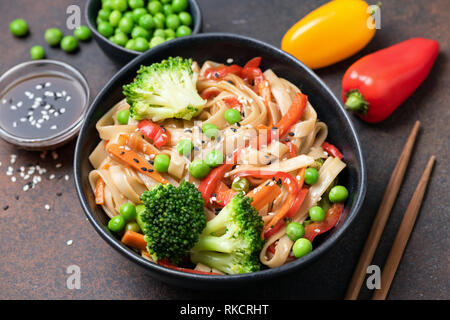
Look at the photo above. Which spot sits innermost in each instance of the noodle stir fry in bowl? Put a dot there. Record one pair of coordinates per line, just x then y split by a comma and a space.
218, 159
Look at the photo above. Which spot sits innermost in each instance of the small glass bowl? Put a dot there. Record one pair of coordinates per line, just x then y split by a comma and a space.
36, 68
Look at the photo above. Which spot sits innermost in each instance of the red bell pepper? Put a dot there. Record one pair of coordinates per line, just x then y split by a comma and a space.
253, 63
332, 150
233, 103
159, 135
331, 219
222, 71
375, 85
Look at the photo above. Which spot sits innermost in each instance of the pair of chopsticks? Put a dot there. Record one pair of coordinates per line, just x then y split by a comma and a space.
381, 218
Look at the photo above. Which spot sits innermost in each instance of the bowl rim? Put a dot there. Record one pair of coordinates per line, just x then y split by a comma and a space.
59, 137
193, 6
235, 279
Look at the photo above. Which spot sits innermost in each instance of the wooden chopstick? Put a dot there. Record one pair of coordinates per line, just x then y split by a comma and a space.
381, 217
403, 233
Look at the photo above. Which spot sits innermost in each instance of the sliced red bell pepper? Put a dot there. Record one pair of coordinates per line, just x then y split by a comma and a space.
332, 150
223, 194
159, 135
375, 85
331, 219
209, 94
167, 264
253, 63
222, 71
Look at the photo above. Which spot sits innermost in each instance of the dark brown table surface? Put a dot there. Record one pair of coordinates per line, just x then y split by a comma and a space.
34, 253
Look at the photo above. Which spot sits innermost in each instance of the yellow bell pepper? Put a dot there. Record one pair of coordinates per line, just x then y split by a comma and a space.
331, 33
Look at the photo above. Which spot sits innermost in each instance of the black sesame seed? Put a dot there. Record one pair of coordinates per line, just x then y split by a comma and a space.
163, 129
279, 181
17, 197
273, 178
135, 160
188, 130
233, 167
238, 124
151, 162
144, 169
203, 141
150, 170
287, 140
143, 137
5, 208
122, 153
291, 134
274, 128
216, 74
59, 194
196, 148
213, 194
233, 129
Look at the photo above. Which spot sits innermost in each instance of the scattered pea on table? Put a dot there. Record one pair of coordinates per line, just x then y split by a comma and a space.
53, 36
69, 44
18, 27
37, 53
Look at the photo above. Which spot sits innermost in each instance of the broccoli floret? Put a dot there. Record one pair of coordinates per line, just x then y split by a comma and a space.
164, 90
231, 241
173, 219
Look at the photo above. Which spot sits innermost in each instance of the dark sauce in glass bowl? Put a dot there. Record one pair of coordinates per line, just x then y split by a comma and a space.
41, 106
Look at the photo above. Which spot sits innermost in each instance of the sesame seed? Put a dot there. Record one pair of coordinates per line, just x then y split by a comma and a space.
69, 243
51, 177
26, 187
53, 127
47, 207
66, 177
58, 165
230, 60
13, 179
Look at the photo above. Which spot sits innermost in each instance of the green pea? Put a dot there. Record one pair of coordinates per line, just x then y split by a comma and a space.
316, 214
128, 14
179, 5
169, 33
120, 5
107, 5
210, 130
295, 230
166, 1
114, 18
104, 14
156, 41
136, 4
338, 194
167, 9
183, 31
140, 44
301, 247
37, 53
126, 25
53, 36
128, 211
116, 224
138, 13
139, 32
18, 27
69, 44
185, 18
199, 169
120, 39
161, 162
82, 33
240, 184
105, 29
146, 22
133, 226
159, 33
232, 116
311, 176
159, 19
185, 147
155, 7
100, 21
173, 21
214, 158
169, 38
130, 44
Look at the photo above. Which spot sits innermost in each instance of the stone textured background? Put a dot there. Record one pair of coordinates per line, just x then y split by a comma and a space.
33, 250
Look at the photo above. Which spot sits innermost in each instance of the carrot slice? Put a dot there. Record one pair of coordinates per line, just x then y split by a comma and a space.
264, 194
134, 240
223, 194
100, 192
134, 160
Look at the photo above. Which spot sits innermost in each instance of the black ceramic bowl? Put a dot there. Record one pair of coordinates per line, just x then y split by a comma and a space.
219, 47
118, 53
